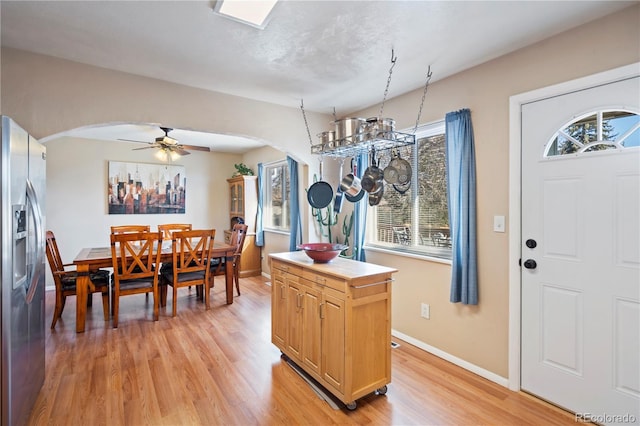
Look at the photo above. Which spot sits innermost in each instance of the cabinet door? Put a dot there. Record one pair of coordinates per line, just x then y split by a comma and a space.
312, 327
333, 335
240, 192
294, 320
278, 310
233, 198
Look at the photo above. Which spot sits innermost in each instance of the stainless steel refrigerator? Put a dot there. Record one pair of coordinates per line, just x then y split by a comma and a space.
22, 179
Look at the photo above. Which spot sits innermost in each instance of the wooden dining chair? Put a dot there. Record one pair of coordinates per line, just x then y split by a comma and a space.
65, 281
218, 265
167, 230
125, 229
190, 262
134, 256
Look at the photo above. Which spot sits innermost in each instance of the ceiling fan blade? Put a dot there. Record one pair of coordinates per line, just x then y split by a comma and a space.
180, 151
149, 145
132, 140
196, 148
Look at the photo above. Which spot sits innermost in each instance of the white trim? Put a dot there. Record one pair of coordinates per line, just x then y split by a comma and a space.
452, 359
515, 184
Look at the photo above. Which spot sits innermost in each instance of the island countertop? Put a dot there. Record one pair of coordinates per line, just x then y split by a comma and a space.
347, 269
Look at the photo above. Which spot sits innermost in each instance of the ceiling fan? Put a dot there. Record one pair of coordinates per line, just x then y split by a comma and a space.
168, 146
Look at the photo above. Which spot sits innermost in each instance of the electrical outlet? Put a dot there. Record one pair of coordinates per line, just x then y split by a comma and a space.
424, 311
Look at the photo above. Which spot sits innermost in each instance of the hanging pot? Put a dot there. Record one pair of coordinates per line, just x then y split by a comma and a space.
327, 139
402, 189
390, 172
373, 176
380, 127
350, 184
337, 203
349, 131
353, 177
376, 197
403, 168
320, 194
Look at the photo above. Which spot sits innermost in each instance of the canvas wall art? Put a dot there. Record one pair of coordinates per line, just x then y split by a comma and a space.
139, 188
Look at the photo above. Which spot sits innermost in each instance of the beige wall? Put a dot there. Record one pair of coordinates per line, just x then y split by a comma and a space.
76, 205
47, 96
479, 334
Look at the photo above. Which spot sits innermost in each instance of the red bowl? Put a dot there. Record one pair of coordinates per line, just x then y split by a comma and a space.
322, 252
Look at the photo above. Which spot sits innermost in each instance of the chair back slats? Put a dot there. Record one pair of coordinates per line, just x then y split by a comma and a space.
134, 254
238, 235
191, 250
53, 254
126, 229
168, 229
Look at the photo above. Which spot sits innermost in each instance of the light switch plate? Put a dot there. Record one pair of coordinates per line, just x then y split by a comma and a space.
498, 224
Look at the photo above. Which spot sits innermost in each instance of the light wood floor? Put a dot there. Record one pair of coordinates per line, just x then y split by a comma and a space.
218, 367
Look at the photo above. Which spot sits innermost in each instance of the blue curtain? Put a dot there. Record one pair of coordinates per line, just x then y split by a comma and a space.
295, 236
360, 213
259, 227
461, 186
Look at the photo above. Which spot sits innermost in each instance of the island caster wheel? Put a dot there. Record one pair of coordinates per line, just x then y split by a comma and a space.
382, 390
352, 406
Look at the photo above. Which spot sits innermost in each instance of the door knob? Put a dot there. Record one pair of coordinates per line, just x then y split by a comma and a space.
531, 243
530, 264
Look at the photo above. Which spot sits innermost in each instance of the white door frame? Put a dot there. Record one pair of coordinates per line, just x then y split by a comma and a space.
515, 186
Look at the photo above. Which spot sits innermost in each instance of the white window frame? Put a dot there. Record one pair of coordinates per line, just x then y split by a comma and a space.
414, 249
268, 208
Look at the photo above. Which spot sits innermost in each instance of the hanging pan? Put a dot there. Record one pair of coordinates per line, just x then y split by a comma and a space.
320, 194
337, 203
376, 197
354, 191
402, 167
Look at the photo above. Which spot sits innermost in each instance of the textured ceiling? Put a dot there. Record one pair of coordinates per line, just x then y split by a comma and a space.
329, 53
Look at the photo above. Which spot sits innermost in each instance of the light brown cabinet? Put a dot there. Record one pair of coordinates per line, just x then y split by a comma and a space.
243, 206
334, 321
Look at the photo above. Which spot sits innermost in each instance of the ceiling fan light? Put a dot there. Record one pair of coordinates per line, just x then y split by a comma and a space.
162, 155
173, 155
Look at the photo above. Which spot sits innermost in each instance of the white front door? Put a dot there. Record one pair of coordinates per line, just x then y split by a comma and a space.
580, 346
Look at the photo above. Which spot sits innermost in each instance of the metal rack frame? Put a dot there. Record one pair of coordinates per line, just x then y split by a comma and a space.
363, 142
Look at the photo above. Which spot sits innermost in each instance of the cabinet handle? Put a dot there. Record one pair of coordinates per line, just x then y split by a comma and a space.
320, 280
281, 291
321, 311
298, 301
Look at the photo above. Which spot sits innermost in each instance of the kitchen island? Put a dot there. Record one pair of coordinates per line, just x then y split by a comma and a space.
334, 321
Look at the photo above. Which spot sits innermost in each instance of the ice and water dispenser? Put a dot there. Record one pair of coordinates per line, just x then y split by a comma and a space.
19, 245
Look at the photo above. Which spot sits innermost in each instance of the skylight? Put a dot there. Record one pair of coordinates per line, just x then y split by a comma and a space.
250, 12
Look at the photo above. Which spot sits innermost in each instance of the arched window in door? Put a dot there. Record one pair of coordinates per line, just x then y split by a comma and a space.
596, 131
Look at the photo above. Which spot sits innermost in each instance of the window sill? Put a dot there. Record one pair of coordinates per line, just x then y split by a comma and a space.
277, 231
409, 254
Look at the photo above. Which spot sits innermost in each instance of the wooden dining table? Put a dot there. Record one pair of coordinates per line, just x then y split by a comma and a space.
92, 258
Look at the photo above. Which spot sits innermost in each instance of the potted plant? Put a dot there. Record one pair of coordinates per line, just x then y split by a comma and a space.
242, 170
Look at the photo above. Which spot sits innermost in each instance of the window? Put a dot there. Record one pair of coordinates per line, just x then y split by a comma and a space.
596, 131
414, 218
276, 199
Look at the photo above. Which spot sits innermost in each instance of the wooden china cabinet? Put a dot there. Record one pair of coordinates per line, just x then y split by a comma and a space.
243, 207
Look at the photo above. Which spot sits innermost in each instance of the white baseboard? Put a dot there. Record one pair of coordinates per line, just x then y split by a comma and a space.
453, 359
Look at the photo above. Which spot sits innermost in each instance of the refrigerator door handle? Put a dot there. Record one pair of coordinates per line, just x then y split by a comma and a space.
39, 234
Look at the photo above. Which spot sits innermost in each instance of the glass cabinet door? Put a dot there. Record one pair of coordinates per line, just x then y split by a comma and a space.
233, 190
240, 193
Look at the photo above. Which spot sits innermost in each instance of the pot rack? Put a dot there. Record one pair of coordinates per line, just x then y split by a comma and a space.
356, 144
359, 143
